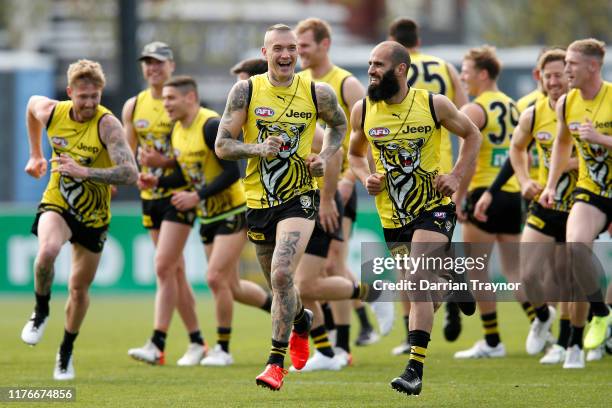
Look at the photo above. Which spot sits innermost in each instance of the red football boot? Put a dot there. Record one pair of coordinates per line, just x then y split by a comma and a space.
272, 377
299, 350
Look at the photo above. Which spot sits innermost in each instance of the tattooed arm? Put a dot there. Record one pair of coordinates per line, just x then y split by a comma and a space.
124, 171
227, 145
333, 116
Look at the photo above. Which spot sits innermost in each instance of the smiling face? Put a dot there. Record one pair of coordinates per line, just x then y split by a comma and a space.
156, 72
554, 80
470, 76
384, 78
578, 68
311, 53
176, 103
280, 50
85, 97
379, 64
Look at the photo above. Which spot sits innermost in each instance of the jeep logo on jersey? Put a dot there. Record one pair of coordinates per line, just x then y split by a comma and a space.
417, 129
59, 141
91, 149
602, 125
543, 136
296, 114
573, 126
379, 132
264, 112
142, 123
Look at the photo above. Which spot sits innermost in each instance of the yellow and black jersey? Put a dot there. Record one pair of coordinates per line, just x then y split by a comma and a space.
200, 167
501, 117
595, 168
87, 200
544, 131
530, 99
335, 78
431, 73
153, 127
523, 103
289, 113
405, 141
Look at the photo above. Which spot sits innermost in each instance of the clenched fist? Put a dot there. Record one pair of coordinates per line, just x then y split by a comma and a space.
36, 167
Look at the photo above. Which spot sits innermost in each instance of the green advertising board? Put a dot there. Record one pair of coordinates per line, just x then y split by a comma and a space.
128, 256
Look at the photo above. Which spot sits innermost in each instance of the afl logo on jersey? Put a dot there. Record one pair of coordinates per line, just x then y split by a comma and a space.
543, 136
141, 124
379, 132
264, 112
59, 141
573, 126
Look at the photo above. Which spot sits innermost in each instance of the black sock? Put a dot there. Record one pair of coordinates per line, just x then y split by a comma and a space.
418, 350
42, 304
321, 341
277, 353
356, 291
329, 317
367, 293
362, 314
529, 310
342, 337
407, 326
489, 323
268, 305
599, 309
223, 337
542, 313
68, 342
300, 322
159, 339
196, 337
564, 332
576, 336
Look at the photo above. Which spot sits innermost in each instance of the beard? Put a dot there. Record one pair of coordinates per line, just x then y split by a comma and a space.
385, 89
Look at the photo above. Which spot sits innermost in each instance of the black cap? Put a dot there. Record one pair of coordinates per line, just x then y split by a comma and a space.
157, 50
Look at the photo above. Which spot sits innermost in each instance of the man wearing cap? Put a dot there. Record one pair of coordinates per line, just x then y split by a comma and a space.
148, 129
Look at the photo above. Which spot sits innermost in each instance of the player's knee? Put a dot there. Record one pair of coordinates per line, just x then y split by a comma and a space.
281, 279
165, 267
47, 254
79, 294
530, 275
214, 278
331, 267
306, 287
180, 268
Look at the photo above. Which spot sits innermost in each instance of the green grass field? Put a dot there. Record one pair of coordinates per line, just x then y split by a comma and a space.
106, 376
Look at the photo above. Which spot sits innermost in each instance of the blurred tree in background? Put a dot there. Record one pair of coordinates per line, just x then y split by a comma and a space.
519, 22
19, 21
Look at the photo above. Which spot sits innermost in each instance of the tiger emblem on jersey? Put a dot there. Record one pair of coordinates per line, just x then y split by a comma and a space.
596, 158
161, 145
286, 172
409, 186
194, 172
565, 185
86, 199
